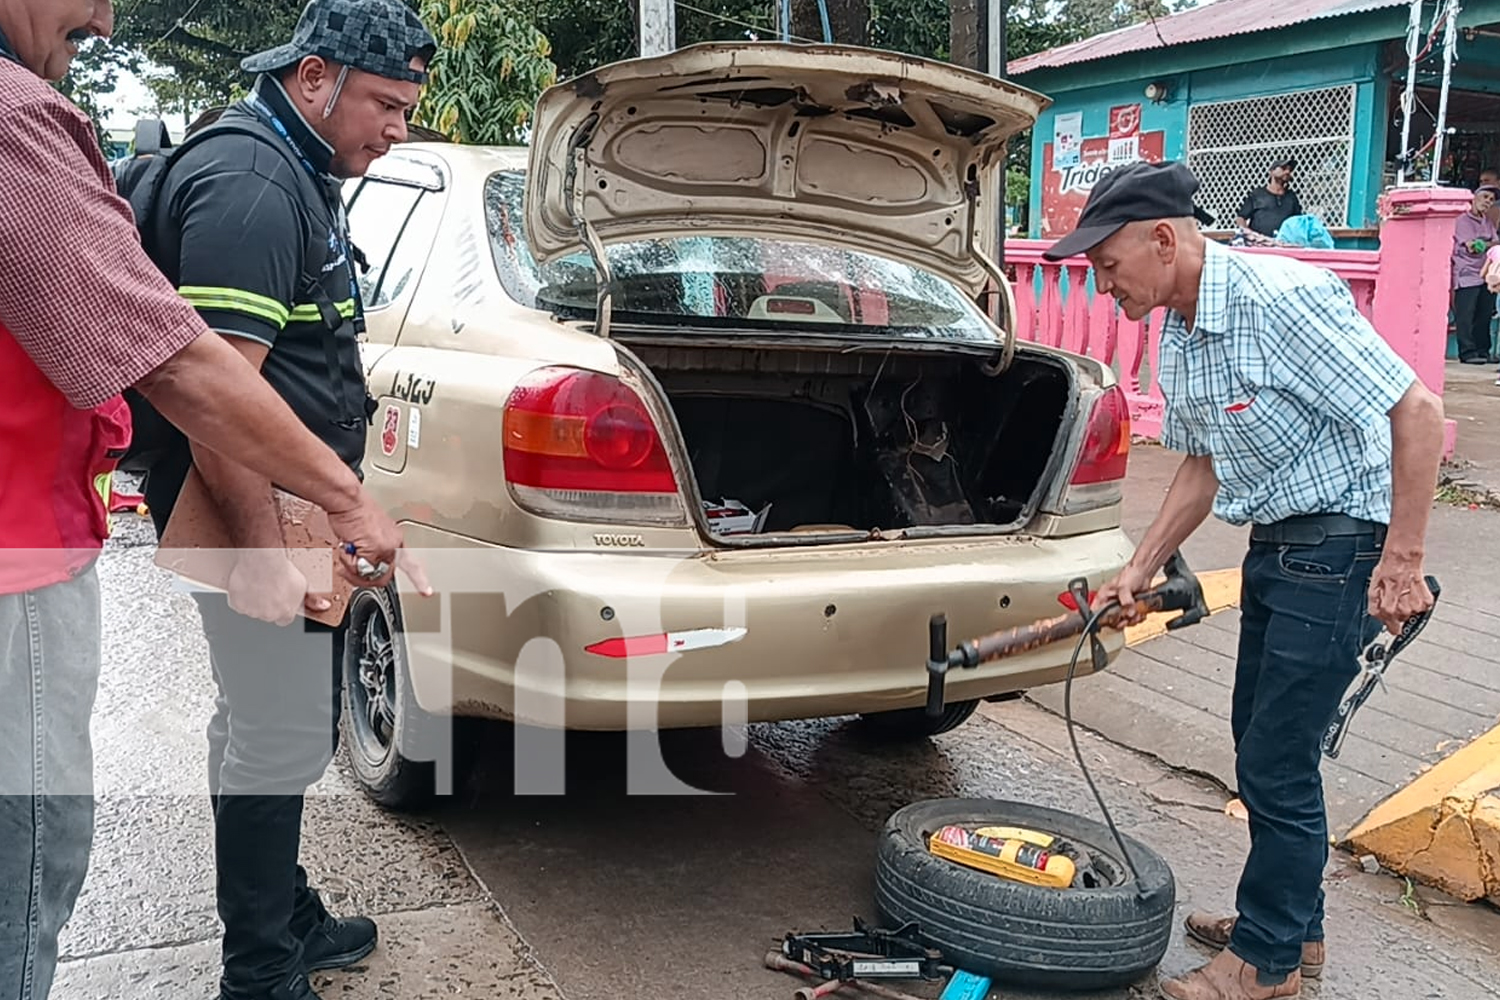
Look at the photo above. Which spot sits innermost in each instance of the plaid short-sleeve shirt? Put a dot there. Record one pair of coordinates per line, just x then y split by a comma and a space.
1286, 387
76, 290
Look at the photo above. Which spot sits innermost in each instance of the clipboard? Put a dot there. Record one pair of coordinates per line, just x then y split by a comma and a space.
196, 546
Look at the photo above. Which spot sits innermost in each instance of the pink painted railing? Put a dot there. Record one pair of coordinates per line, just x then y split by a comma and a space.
1050, 311
1402, 288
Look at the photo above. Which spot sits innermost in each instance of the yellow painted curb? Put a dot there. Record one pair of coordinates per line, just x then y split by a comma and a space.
1221, 589
1443, 829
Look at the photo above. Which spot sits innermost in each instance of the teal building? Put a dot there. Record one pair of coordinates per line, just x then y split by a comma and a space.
1234, 86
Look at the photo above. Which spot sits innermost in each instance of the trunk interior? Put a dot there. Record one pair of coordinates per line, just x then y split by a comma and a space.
862, 439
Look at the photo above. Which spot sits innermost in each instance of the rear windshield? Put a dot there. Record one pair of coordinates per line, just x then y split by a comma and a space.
732, 282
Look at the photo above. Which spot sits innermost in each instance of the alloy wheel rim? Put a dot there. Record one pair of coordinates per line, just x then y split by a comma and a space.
374, 707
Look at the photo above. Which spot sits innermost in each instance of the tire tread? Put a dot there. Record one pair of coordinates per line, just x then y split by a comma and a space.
1019, 934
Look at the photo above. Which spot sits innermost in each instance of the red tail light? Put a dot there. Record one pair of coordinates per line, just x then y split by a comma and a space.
1067, 600
1106, 442
582, 445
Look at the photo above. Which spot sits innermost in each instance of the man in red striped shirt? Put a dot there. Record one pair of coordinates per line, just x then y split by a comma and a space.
84, 314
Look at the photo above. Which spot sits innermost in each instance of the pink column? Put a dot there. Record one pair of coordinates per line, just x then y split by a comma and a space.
1411, 292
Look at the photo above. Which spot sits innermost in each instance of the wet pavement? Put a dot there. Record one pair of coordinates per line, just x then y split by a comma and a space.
598, 895
1471, 399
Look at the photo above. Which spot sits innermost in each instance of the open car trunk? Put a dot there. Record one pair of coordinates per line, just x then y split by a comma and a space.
827, 438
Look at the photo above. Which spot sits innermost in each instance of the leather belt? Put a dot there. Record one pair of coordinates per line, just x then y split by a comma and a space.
1314, 529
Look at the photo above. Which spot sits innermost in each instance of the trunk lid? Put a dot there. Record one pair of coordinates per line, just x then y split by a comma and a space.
857, 148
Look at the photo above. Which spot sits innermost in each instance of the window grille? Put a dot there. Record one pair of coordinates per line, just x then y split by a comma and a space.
1232, 144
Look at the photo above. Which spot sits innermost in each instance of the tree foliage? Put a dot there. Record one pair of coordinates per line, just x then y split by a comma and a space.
587, 34
202, 43
492, 62
93, 77
498, 54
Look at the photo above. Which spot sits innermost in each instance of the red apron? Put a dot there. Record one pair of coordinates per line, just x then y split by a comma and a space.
56, 463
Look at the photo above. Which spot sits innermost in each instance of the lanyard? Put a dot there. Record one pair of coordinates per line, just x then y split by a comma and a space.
263, 110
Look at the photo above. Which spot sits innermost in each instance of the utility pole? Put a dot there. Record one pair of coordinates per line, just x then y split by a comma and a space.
992, 45
1450, 42
994, 37
976, 37
1408, 102
658, 26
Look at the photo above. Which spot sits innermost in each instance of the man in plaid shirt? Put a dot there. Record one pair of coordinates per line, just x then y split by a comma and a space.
83, 315
1299, 420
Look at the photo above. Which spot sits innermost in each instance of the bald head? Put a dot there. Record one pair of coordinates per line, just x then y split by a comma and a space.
46, 34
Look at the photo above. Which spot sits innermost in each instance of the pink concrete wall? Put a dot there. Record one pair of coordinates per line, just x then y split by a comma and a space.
1402, 288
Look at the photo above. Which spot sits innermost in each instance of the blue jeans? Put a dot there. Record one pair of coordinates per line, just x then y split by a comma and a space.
49, 673
1303, 625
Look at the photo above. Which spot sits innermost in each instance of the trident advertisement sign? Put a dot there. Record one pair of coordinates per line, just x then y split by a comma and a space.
1066, 187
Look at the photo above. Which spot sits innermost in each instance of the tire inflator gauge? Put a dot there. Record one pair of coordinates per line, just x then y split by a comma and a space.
1009, 852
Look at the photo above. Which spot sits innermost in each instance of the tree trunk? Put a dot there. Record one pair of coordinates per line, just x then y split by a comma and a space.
963, 34
848, 19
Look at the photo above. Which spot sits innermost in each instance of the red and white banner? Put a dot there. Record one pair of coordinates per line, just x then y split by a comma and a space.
1124, 133
1064, 190
1124, 121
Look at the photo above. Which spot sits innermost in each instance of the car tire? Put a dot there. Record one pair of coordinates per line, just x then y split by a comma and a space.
1076, 939
915, 723
381, 721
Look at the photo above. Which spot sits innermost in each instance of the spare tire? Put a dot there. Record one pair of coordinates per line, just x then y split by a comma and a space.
1100, 933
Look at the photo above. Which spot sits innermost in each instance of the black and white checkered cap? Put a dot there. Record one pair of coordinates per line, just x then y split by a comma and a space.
377, 36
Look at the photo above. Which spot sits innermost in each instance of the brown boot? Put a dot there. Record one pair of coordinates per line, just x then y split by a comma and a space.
1214, 932
1229, 977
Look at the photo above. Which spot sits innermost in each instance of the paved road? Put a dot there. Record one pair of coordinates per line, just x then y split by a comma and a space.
600, 895
1472, 401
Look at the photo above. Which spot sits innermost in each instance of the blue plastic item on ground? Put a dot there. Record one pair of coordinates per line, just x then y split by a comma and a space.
966, 986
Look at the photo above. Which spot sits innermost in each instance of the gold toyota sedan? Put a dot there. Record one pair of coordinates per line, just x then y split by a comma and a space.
707, 401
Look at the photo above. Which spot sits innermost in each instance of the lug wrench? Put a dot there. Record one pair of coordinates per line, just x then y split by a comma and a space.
1181, 591
1377, 658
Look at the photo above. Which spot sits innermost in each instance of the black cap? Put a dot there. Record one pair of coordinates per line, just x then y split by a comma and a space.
1135, 192
1289, 163
377, 36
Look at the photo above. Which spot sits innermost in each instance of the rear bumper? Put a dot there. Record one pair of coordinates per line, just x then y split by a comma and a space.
778, 634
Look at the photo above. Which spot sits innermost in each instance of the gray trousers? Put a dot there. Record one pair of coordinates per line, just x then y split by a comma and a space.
49, 673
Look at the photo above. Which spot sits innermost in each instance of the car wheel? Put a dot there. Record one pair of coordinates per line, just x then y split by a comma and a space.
381, 719
1107, 930
916, 724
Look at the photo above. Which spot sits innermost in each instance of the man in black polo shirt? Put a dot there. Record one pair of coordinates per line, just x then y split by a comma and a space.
250, 227
1266, 208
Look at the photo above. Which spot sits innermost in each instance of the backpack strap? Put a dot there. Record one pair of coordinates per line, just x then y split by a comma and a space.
333, 322
315, 256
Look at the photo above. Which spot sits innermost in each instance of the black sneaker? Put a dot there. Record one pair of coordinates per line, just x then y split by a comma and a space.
336, 943
296, 987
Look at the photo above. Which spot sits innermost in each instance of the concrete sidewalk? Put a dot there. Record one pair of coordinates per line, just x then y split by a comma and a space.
1472, 400
1170, 697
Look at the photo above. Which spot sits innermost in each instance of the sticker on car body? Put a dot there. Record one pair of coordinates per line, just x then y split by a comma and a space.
392, 420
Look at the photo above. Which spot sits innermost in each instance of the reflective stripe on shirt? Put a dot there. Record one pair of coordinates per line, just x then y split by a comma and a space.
236, 300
